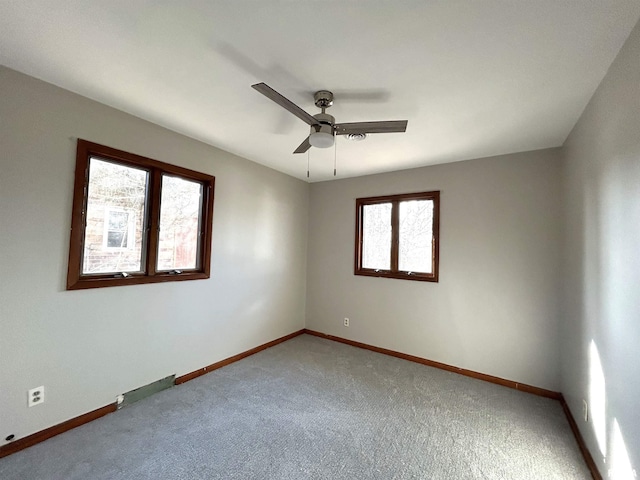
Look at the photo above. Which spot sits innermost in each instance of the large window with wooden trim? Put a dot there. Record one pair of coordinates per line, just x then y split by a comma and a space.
137, 220
397, 236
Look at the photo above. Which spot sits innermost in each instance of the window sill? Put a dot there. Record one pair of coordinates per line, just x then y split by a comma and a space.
103, 281
420, 277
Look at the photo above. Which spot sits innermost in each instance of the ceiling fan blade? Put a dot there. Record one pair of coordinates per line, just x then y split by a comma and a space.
371, 127
304, 146
285, 103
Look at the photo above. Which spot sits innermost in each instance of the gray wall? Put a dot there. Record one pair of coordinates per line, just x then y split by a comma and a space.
495, 309
88, 346
602, 255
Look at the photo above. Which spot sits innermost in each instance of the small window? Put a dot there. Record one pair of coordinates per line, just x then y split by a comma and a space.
137, 220
119, 229
397, 236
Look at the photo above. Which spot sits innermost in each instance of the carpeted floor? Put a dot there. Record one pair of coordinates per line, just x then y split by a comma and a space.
311, 408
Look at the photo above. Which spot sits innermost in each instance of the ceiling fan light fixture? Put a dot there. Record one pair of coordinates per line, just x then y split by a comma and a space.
321, 139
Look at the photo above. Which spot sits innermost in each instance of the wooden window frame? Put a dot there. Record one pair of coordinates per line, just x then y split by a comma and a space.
394, 272
76, 279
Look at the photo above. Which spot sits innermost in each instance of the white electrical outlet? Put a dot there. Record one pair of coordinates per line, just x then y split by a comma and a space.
346, 322
36, 396
585, 410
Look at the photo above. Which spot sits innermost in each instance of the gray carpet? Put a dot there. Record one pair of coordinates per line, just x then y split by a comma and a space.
310, 408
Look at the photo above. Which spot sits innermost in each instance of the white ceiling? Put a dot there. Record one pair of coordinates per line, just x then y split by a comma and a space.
474, 78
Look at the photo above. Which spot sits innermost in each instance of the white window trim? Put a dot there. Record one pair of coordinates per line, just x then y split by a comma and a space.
131, 229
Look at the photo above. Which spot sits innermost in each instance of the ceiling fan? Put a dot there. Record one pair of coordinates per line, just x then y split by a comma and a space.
323, 126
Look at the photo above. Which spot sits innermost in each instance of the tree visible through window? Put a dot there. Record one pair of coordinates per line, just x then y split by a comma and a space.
397, 236
179, 223
116, 202
137, 220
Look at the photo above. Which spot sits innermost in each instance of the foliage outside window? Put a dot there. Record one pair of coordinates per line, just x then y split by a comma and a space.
137, 220
397, 236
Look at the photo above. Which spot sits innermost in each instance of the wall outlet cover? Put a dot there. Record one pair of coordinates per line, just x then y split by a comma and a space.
36, 396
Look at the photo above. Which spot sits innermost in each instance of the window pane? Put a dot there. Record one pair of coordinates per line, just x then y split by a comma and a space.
119, 229
416, 236
180, 207
376, 232
116, 239
114, 220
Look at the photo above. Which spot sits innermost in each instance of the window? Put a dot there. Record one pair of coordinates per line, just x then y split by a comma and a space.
137, 220
119, 229
397, 236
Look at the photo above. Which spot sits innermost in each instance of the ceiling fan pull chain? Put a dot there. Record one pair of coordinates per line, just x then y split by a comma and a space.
308, 155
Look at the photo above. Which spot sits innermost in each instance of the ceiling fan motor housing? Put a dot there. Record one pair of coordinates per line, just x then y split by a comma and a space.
321, 135
325, 119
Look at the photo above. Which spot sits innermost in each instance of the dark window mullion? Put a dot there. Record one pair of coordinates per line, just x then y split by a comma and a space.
201, 216
395, 229
359, 237
153, 232
202, 226
83, 213
207, 226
